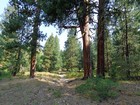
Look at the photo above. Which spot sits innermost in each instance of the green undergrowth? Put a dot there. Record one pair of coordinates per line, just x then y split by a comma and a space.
23, 75
137, 93
98, 89
74, 74
55, 92
5, 74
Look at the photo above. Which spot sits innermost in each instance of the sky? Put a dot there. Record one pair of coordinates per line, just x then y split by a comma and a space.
49, 30
3, 4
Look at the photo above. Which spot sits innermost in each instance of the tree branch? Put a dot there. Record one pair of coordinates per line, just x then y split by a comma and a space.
67, 27
79, 38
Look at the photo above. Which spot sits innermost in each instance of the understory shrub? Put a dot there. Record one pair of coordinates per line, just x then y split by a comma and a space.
5, 74
98, 89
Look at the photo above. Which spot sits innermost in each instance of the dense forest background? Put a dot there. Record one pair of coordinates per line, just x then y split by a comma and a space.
110, 47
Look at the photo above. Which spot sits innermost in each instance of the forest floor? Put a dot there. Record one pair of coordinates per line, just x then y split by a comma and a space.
55, 89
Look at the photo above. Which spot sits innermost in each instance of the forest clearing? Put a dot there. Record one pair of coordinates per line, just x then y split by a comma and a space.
55, 89
99, 63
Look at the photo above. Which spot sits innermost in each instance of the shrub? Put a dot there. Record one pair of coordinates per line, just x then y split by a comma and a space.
98, 89
5, 74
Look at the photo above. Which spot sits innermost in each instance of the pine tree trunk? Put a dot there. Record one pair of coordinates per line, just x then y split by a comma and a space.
34, 43
100, 45
84, 27
33, 60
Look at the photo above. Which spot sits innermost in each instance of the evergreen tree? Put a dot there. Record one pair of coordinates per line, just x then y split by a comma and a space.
57, 56
34, 37
31, 12
72, 52
93, 53
73, 14
125, 32
39, 59
13, 38
52, 59
48, 53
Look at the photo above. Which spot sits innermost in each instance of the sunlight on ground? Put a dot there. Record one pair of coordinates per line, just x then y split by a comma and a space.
129, 82
46, 74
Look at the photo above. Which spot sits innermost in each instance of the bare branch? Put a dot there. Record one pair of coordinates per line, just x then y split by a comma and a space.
67, 27
91, 30
79, 37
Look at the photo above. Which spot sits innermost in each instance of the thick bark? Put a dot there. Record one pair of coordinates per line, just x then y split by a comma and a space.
34, 43
33, 63
84, 27
100, 45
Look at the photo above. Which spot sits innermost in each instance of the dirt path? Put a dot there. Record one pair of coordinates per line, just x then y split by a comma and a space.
57, 90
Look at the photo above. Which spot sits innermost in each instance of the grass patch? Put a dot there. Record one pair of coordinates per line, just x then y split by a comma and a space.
23, 75
52, 75
55, 92
5, 74
74, 74
98, 89
137, 93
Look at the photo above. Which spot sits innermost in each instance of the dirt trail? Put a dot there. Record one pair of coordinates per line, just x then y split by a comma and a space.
57, 90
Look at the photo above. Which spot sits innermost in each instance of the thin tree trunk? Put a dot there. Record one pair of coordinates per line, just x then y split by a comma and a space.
34, 43
100, 35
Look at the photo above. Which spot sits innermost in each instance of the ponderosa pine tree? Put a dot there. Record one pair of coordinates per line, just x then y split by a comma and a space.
34, 38
31, 11
73, 14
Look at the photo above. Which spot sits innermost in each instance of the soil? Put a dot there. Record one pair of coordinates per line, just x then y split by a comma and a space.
55, 89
